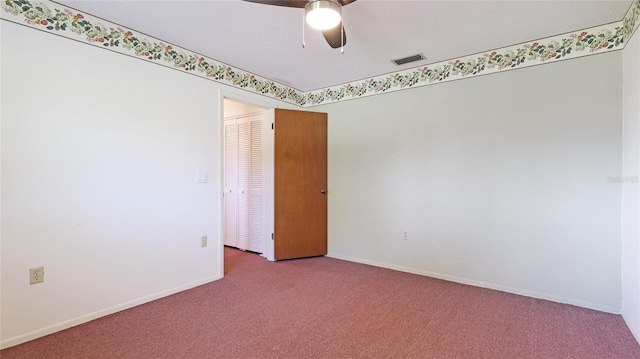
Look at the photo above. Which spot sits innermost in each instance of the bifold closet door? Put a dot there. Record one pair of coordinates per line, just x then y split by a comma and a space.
257, 210
230, 195
244, 171
244, 179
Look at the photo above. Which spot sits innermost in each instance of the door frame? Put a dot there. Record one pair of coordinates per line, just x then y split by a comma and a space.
252, 100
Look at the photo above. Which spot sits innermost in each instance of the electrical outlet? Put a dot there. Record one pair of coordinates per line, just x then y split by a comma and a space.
36, 275
203, 241
405, 236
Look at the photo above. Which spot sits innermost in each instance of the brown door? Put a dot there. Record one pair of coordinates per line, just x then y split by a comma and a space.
300, 166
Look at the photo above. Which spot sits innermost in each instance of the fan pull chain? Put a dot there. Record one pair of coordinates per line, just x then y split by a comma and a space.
303, 44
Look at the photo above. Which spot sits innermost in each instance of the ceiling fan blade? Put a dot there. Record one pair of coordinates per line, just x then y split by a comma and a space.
346, 2
287, 3
333, 36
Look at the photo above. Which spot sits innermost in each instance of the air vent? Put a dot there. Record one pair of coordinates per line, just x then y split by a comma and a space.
408, 59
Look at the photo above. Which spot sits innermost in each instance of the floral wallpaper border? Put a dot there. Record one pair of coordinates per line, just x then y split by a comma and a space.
60, 20
630, 21
587, 42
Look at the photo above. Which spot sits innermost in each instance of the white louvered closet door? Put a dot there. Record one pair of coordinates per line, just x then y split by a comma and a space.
256, 186
230, 183
244, 173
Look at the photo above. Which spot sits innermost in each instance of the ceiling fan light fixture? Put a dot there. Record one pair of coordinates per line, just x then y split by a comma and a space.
323, 14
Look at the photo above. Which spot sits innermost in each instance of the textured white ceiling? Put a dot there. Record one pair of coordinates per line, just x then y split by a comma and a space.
266, 40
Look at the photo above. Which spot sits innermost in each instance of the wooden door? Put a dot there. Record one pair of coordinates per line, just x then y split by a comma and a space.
300, 184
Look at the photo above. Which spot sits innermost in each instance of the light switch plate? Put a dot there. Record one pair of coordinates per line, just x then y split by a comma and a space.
201, 177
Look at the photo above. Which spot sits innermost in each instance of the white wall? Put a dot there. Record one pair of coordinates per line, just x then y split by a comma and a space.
630, 193
0, 186
99, 155
500, 181
235, 108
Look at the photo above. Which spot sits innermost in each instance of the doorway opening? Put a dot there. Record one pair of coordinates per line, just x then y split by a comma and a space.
274, 181
247, 181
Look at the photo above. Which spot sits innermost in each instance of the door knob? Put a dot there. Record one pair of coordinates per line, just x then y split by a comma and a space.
323, 191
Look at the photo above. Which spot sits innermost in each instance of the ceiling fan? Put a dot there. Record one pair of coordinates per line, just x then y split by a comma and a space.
324, 15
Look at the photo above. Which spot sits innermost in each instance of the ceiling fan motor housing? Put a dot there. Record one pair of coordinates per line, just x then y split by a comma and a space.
323, 14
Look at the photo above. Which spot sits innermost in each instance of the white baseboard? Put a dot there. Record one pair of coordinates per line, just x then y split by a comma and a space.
524, 292
632, 329
23, 338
